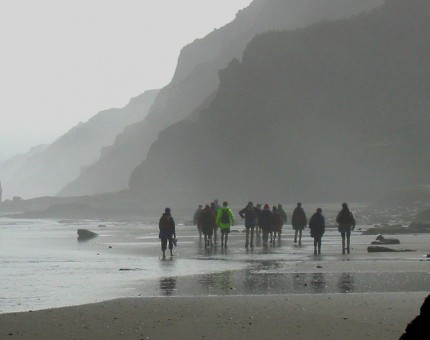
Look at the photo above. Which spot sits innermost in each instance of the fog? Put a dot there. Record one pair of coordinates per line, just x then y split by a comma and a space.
62, 62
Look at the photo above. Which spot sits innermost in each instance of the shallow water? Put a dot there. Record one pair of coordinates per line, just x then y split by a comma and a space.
42, 265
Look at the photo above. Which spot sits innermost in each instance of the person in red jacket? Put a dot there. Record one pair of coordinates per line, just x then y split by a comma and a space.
207, 222
278, 222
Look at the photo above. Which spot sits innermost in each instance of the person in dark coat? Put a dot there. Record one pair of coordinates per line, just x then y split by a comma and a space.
196, 218
250, 214
278, 222
207, 221
266, 221
317, 226
299, 222
282, 213
259, 210
346, 222
215, 207
166, 226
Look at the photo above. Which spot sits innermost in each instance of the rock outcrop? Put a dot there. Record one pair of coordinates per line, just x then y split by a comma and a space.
418, 328
196, 78
316, 114
84, 234
46, 172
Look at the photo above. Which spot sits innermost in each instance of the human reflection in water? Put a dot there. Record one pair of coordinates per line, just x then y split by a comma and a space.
168, 285
224, 281
346, 283
318, 283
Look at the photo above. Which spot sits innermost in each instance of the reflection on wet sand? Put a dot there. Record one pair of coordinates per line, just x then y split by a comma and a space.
168, 285
318, 283
346, 283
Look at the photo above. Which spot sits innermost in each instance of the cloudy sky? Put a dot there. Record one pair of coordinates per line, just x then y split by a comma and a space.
62, 61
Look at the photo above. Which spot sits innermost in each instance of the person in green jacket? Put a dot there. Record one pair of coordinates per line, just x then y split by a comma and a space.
224, 219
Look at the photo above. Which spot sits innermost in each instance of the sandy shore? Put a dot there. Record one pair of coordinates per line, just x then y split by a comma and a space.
310, 316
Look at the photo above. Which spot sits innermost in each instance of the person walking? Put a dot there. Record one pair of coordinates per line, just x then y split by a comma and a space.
258, 209
346, 222
299, 222
266, 221
215, 229
196, 219
249, 213
225, 221
166, 225
317, 227
278, 222
206, 222
282, 213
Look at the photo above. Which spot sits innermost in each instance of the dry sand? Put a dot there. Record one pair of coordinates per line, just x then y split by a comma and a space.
311, 316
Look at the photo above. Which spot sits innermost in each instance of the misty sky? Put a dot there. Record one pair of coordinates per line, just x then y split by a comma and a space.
62, 61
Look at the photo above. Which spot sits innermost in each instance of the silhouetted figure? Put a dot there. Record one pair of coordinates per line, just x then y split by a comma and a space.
282, 213
345, 220
317, 226
224, 220
196, 218
418, 328
259, 210
249, 213
167, 231
299, 222
216, 206
207, 221
266, 221
278, 222
215, 210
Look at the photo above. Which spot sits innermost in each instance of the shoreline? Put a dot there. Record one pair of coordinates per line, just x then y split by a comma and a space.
288, 316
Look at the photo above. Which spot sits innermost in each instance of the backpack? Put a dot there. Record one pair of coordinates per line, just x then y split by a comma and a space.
165, 223
225, 217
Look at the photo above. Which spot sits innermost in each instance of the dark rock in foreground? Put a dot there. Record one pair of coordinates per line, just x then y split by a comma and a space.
418, 327
84, 234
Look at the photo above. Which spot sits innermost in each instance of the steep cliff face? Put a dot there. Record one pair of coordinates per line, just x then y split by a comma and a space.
336, 111
196, 77
48, 171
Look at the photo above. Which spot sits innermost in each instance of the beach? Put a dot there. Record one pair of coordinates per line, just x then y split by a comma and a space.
296, 316
117, 286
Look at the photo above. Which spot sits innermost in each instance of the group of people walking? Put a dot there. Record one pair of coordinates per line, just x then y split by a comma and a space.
261, 221
212, 218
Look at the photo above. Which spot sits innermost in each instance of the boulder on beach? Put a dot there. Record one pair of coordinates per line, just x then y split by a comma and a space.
380, 249
418, 327
84, 234
382, 240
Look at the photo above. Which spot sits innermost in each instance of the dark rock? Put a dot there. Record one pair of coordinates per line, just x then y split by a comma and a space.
379, 249
418, 327
84, 234
382, 240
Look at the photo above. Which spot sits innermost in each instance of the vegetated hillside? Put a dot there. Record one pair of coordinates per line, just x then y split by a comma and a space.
48, 171
338, 111
196, 78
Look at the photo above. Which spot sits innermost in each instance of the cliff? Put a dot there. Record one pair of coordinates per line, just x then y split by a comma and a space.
46, 172
337, 111
196, 78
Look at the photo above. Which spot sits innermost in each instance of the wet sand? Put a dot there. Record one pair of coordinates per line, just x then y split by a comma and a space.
283, 292
309, 316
